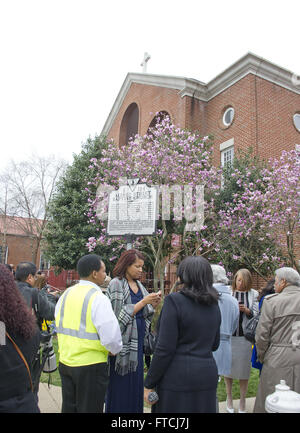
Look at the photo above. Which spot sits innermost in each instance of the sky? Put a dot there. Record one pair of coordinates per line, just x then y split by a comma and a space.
63, 62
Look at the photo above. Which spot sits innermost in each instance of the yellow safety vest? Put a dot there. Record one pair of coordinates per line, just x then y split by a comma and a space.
78, 340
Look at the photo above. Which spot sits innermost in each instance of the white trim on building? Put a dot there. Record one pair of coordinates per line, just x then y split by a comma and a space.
248, 64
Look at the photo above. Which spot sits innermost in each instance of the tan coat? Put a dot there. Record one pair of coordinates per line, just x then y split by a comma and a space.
273, 343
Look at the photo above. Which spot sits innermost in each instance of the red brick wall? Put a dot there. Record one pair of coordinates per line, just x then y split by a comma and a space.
276, 107
19, 250
150, 99
237, 96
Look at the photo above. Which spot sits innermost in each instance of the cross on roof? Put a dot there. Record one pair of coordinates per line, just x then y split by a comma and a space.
147, 57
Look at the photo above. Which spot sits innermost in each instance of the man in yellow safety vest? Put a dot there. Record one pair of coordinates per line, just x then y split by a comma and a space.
87, 331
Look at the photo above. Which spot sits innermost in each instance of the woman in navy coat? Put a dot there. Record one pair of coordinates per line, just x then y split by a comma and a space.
183, 371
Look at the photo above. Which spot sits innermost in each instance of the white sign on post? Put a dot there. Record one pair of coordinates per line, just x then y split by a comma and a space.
132, 210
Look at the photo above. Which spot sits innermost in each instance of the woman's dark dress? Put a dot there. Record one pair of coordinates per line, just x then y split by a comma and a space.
125, 394
183, 370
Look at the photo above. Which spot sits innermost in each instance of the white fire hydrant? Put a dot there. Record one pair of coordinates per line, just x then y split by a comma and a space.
283, 400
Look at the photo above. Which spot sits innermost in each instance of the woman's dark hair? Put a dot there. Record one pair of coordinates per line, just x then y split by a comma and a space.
126, 259
14, 311
87, 264
196, 275
24, 269
268, 289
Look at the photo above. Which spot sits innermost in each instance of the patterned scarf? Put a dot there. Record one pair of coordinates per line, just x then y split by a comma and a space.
242, 298
118, 292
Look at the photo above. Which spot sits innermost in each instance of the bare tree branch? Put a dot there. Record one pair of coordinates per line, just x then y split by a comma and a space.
29, 185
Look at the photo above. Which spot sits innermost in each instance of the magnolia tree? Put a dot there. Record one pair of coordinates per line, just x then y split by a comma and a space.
281, 202
246, 214
262, 217
178, 162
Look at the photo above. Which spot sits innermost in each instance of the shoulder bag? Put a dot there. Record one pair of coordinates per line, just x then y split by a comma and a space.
250, 328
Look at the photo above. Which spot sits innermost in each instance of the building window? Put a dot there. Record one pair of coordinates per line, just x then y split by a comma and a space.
158, 118
227, 157
296, 119
228, 116
129, 124
227, 153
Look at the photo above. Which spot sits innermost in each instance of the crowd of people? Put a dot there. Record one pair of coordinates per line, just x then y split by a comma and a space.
200, 337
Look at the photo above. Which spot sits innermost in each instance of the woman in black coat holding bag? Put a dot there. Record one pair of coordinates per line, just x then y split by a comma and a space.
20, 340
183, 371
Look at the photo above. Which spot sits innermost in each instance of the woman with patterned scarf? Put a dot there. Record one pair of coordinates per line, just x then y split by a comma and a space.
133, 306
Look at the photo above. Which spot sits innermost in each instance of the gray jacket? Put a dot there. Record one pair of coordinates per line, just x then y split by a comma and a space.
229, 308
274, 348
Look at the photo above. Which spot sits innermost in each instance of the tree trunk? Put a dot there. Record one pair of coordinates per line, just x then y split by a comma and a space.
158, 276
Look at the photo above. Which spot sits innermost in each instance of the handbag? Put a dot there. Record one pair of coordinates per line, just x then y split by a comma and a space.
250, 328
149, 343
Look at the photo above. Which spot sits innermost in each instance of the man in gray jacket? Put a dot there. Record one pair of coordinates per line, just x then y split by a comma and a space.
279, 320
229, 308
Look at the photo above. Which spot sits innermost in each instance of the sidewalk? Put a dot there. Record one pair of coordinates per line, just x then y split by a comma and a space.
49, 398
50, 401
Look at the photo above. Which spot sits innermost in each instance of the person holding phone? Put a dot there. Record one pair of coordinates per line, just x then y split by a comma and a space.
240, 347
133, 307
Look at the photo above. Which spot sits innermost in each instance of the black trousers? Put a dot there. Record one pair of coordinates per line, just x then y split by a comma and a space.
83, 388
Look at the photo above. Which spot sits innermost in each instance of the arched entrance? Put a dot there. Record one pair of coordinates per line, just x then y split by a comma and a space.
129, 124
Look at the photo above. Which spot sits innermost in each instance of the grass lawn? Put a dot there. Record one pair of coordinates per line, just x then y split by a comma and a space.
252, 387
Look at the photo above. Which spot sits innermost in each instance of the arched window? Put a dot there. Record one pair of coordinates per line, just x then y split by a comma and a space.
158, 117
130, 124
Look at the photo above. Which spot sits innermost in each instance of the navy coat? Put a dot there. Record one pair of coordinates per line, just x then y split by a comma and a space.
183, 365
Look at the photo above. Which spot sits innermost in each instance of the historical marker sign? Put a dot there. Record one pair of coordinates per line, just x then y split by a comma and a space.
132, 209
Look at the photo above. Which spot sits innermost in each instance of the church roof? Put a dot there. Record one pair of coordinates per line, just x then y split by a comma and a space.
248, 64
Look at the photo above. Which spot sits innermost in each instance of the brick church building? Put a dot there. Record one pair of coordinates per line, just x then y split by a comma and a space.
253, 103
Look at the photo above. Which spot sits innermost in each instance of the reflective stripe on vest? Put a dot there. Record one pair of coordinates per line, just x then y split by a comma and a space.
81, 333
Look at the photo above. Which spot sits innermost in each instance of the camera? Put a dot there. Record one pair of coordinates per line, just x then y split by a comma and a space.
48, 355
50, 363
